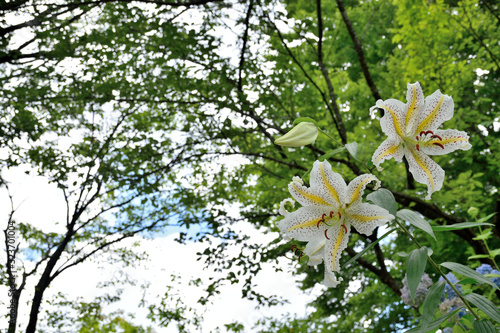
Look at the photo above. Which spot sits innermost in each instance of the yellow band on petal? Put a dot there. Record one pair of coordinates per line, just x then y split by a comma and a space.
424, 167
363, 218
311, 197
394, 118
451, 140
328, 185
306, 224
431, 116
355, 195
389, 151
337, 245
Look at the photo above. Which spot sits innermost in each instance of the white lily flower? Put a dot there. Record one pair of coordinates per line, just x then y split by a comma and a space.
330, 208
412, 132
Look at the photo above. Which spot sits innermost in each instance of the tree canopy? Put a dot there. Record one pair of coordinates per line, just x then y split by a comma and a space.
152, 114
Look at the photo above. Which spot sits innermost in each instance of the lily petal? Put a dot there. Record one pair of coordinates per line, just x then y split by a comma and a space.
390, 148
337, 242
357, 186
303, 224
393, 121
328, 184
415, 102
446, 141
365, 217
425, 170
315, 251
438, 109
304, 195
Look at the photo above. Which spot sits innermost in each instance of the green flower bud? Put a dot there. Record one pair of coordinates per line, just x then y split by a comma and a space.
303, 134
473, 211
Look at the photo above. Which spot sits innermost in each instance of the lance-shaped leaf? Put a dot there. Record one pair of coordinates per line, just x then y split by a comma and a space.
468, 272
431, 303
459, 226
415, 267
435, 323
484, 326
416, 220
384, 198
485, 305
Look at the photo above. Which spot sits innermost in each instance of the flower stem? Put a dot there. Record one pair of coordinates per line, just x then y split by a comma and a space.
321, 131
436, 267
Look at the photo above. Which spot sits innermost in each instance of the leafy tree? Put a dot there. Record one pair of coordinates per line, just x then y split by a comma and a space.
134, 108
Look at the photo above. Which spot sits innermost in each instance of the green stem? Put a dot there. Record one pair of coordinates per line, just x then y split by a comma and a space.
321, 131
436, 267
492, 258
363, 163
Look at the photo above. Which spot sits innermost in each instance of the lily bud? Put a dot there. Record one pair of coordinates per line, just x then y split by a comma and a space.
303, 134
473, 211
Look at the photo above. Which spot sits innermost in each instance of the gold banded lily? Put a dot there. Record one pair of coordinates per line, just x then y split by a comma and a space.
330, 208
412, 131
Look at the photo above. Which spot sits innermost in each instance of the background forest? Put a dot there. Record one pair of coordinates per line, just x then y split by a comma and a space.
154, 115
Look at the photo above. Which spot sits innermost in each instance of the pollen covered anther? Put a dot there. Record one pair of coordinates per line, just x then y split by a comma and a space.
418, 148
438, 144
345, 228
326, 234
436, 137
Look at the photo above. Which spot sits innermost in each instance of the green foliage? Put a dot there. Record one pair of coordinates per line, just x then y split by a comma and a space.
145, 118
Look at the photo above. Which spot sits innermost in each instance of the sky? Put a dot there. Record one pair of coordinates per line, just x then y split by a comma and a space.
42, 205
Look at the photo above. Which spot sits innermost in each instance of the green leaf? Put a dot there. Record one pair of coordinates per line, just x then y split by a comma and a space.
495, 253
483, 219
416, 220
330, 154
483, 236
459, 226
484, 326
415, 267
467, 281
466, 271
485, 305
369, 247
478, 256
352, 148
458, 329
431, 303
384, 198
435, 323
304, 119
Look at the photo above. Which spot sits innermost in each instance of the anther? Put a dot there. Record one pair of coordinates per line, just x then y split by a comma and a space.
345, 228
331, 214
294, 246
340, 215
326, 234
436, 137
438, 144
417, 138
323, 217
317, 225
418, 148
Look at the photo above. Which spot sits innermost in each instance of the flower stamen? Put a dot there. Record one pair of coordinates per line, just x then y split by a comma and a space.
438, 144
345, 228
326, 235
